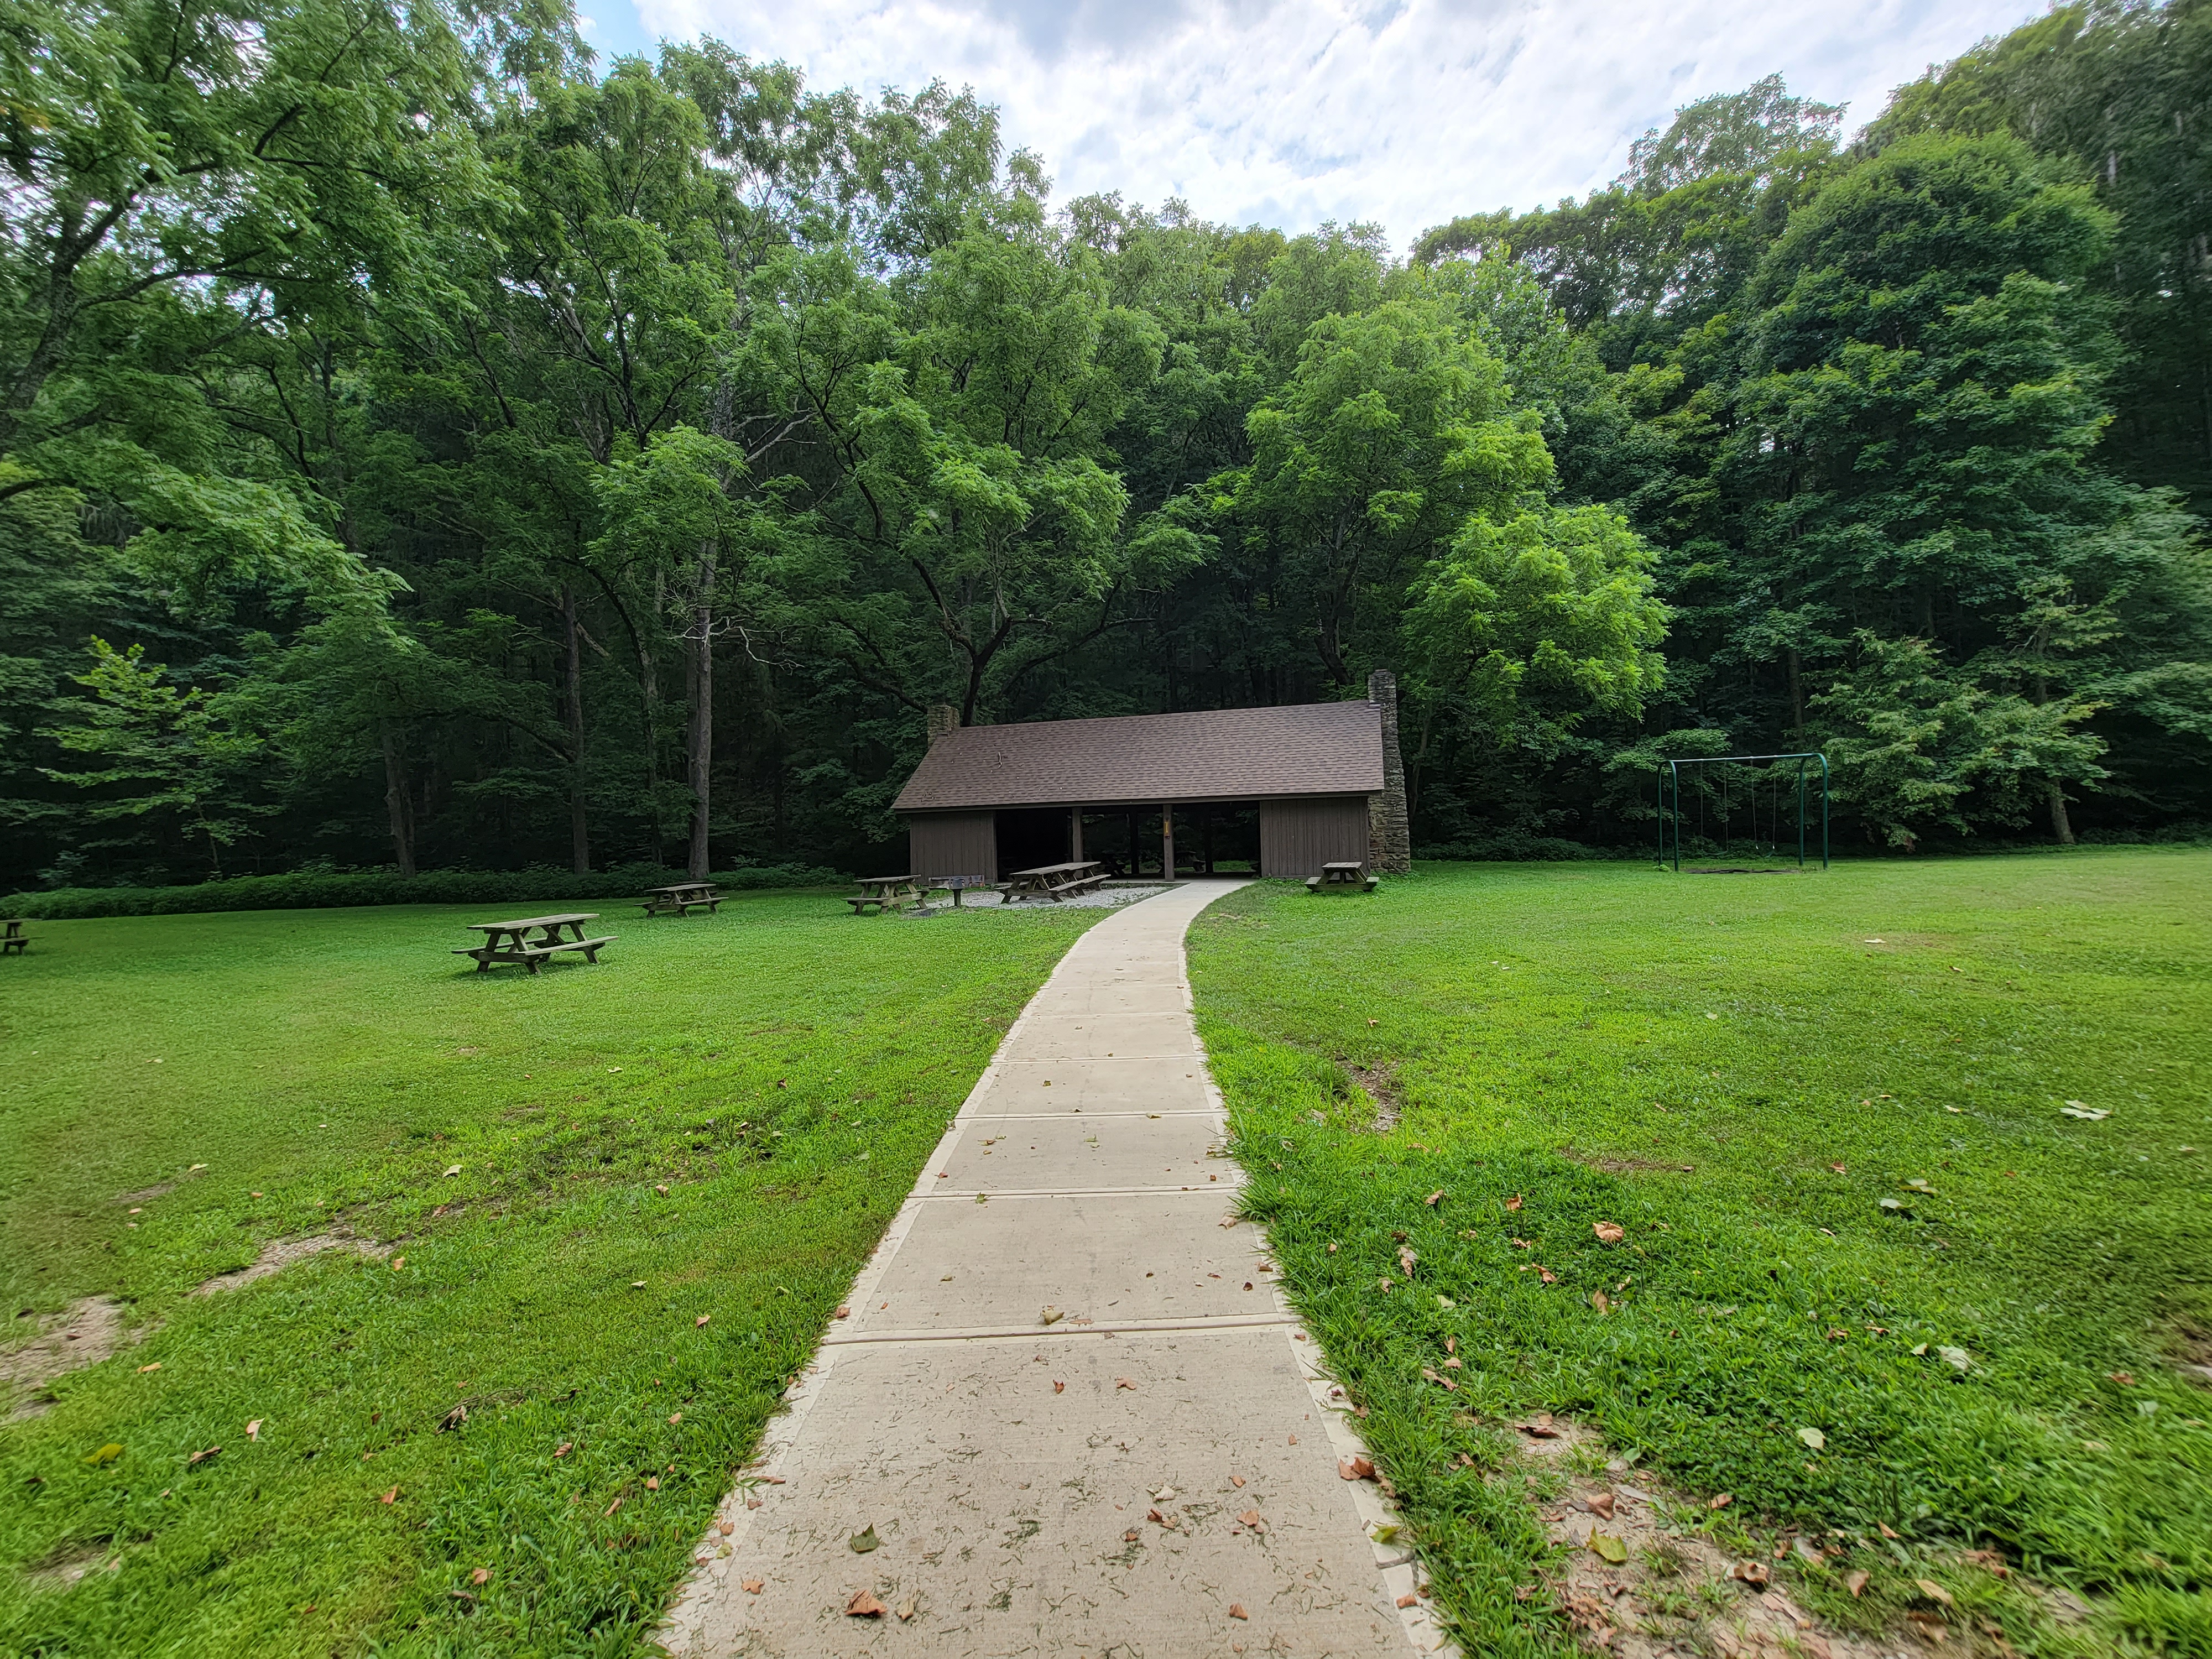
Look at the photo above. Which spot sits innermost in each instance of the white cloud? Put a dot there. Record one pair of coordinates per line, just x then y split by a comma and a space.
1290, 111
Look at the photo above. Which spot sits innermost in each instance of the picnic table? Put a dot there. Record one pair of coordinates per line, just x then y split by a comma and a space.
1342, 875
510, 941
682, 897
885, 893
1055, 881
14, 940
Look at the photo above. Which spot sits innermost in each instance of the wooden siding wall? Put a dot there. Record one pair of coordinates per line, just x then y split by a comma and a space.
953, 844
1297, 837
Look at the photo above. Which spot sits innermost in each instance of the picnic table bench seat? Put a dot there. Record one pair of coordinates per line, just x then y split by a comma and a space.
681, 898
885, 893
13, 939
1343, 875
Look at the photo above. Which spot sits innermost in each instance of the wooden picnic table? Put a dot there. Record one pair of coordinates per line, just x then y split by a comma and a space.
885, 893
682, 897
510, 941
1342, 875
1055, 881
13, 940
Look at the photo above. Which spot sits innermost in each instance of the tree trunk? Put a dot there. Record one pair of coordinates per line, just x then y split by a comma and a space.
702, 713
580, 835
397, 806
2061, 825
1797, 688
648, 689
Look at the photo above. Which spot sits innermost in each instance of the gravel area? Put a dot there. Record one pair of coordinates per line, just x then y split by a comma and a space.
1098, 898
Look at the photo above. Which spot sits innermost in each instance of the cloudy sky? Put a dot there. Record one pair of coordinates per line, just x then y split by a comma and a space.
1292, 112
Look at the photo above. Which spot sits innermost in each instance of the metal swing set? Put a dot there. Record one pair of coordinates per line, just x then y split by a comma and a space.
1670, 807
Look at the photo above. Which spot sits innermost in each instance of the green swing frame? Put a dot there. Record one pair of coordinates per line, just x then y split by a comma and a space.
1670, 800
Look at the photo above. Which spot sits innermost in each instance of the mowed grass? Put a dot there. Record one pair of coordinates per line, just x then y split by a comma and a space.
781, 1069
1738, 1071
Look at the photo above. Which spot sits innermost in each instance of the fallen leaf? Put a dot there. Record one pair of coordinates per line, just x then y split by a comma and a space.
660, 1187
1251, 1518
1720, 1500
1609, 1547
2125, 1379
1600, 1301
214, 1451
1059, 1386
907, 1608
1838, 1169
1124, 1383
1355, 1468
1934, 1591
1407, 1600
1608, 1232
1956, 1358
1053, 1315
453, 1419
2087, 1113
1882, 1528
610, 1509
864, 1605
1600, 1504
753, 1586
106, 1454
726, 1528
564, 1449
861, 1542
1856, 1580
1547, 1275
453, 1169
1539, 1427
481, 1575
1751, 1572
701, 1319
253, 1429
398, 1262
1434, 1197
1408, 1255
155, 1366
391, 1497
1514, 1202
1237, 1608
1813, 1438
1163, 1495
653, 1483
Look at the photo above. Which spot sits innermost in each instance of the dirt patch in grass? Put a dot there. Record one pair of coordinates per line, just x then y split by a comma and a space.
147, 1194
63, 1570
1380, 1084
83, 1334
1624, 1165
281, 1253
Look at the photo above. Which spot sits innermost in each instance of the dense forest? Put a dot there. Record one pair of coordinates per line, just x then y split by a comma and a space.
426, 448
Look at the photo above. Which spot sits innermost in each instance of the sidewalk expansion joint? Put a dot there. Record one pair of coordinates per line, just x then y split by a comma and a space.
1064, 1329
969, 1195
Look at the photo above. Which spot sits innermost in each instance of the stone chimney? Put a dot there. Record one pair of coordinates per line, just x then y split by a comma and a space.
1392, 836
943, 718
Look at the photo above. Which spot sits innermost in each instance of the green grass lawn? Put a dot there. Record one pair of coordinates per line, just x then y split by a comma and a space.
1739, 1071
728, 1108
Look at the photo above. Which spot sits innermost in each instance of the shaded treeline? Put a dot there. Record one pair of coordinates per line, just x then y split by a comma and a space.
424, 448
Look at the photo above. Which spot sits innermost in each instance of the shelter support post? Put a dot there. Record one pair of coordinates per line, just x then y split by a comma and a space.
1075, 833
1167, 841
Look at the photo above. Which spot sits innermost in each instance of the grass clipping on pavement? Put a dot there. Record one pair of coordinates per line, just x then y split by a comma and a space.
1792, 1193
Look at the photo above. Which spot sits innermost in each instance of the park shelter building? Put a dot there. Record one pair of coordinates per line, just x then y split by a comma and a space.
1282, 791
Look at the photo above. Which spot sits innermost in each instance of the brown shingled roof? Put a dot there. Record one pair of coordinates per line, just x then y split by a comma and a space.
1222, 754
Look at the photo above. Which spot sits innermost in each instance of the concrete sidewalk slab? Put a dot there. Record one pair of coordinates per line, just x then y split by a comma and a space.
1004, 1463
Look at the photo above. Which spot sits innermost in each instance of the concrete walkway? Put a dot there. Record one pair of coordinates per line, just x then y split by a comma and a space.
1150, 1475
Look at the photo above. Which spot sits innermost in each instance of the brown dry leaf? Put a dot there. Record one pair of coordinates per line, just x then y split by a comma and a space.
2125, 1379
1237, 1608
1131, 1536
1600, 1504
1251, 1518
202, 1456
726, 1528
1934, 1591
1124, 1383
701, 1319
391, 1497
1539, 1427
1514, 1202
1154, 1515
842, 1313
1059, 1386
1720, 1500
1882, 1526
1751, 1572
564, 1449
752, 1503
1989, 1559
1237, 1480
610, 1509
653, 1483
1408, 1255
253, 1429
155, 1366
907, 1608
481, 1575
1434, 1197
864, 1605
1600, 1301
1838, 1169
1408, 1600
1856, 1580
661, 1187
1547, 1275
1608, 1232
675, 1417
1355, 1468
753, 1586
